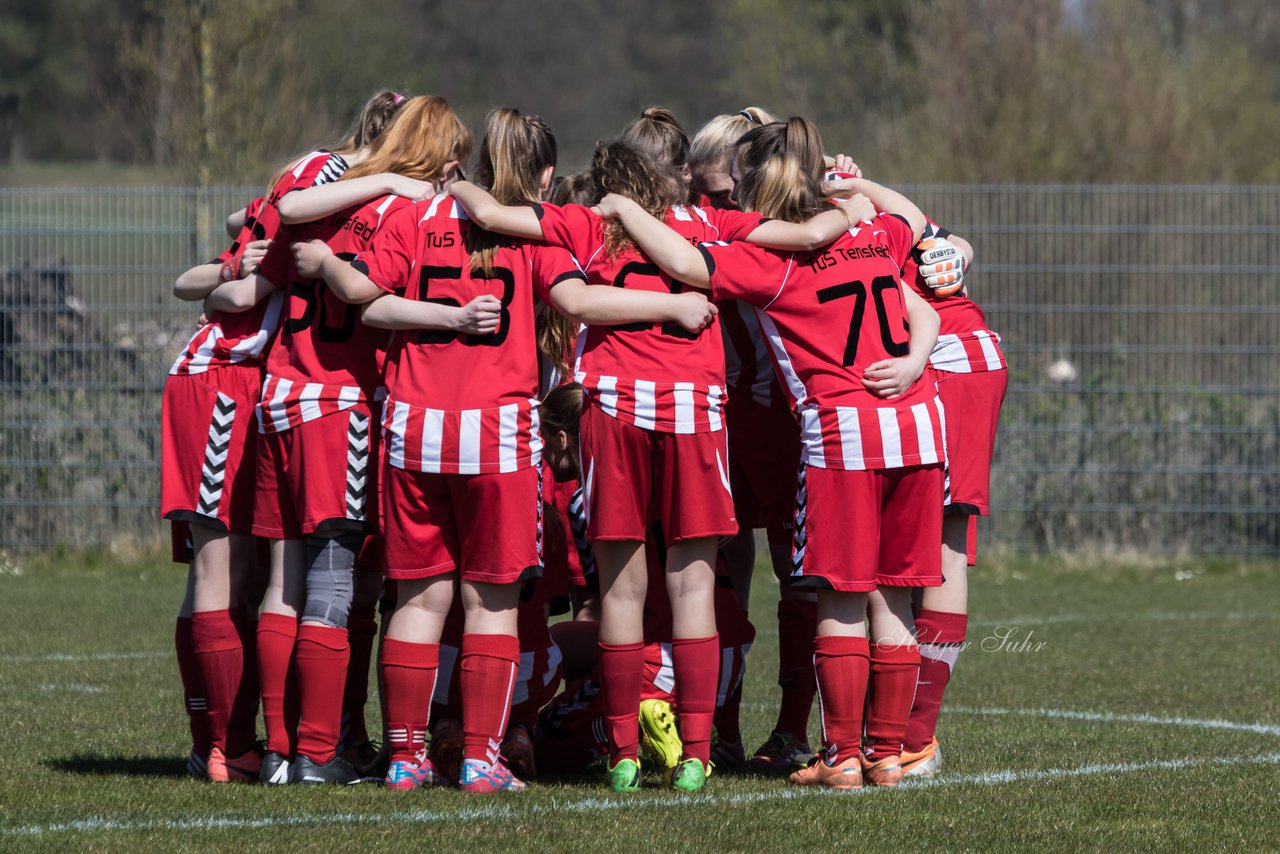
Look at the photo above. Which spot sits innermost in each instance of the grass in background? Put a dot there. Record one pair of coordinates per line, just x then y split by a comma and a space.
94, 734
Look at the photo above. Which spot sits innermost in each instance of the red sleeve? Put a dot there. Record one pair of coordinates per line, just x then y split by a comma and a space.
745, 271
736, 225
572, 227
391, 256
277, 264
551, 265
898, 234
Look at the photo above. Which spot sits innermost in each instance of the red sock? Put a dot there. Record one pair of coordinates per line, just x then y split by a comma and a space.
842, 667
221, 659
193, 694
696, 662
409, 676
941, 635
894, 669
621, 671
362, 628
242, 729
277, 635
321, 661
487, 676
797, 626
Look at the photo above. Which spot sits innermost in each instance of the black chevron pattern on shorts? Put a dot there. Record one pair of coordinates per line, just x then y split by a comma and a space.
946, 484
357, 464
540, 514
578, 525
216, 450
799, 535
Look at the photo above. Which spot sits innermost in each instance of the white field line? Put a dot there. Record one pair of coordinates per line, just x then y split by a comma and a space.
504, 811
78, 657
1110, 717
1149, 617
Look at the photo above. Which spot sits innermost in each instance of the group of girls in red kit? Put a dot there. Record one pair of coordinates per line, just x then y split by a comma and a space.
489, 401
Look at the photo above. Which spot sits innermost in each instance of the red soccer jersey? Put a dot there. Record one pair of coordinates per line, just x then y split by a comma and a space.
965, 343
827, 316
656, 376
325, 360
456, 403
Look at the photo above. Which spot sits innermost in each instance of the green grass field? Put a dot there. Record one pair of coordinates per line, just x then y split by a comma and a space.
1129, 708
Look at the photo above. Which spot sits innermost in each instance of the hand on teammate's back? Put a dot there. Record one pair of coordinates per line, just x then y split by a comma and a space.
309, 256
254, 252
696, 312
480, 316
859, 208
891, 378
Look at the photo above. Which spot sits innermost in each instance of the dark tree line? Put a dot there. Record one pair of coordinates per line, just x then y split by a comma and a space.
929, 90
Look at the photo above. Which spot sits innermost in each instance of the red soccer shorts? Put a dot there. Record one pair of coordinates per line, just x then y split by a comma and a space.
209, 440
764, 450
856, 530
626, 471
972, 406
320, 475
487, 525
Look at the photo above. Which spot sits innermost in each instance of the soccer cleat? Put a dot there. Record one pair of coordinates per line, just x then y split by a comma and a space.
778, 754
403, 776
728, 756
446, 749
370, 759
517, 752
688, 776
926, 763
239, 769
275, 769
337, 771
659, 734
846, 775
481, 778
885, 772
625, 776
197, 766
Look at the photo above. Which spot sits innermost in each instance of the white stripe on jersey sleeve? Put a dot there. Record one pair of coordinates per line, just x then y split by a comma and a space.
891, 437
684, 408
850, 438
469, 441
508, 436
646, 404
432, 439
789, 375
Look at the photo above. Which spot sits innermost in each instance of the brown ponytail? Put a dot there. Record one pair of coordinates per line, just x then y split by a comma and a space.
781, 165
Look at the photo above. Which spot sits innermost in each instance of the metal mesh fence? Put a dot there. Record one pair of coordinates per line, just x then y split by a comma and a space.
1141, 325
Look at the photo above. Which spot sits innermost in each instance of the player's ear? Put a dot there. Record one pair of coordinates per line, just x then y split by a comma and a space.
545, 179
562, 439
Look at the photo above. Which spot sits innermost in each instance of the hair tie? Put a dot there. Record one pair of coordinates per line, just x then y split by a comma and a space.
750, 118
396, 99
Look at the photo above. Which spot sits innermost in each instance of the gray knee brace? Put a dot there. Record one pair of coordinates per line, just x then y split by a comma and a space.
331, 563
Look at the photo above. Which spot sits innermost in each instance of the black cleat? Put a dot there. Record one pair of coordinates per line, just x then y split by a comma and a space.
337, 770
275, 769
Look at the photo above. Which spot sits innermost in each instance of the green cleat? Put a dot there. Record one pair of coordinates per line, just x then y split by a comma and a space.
659, 734
689, 776
625, 776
